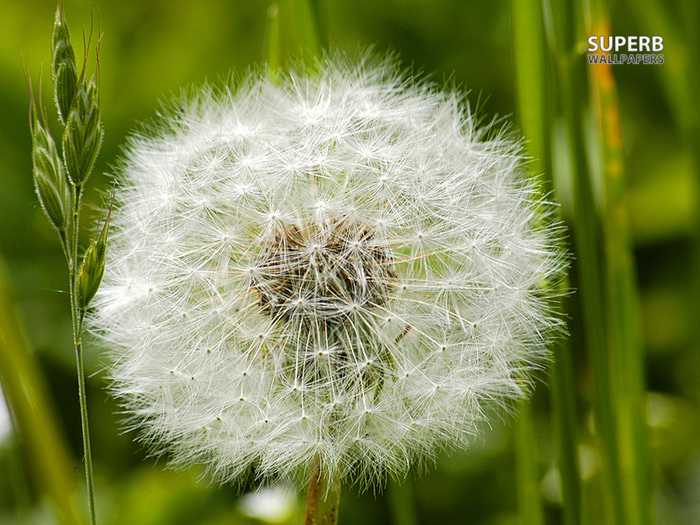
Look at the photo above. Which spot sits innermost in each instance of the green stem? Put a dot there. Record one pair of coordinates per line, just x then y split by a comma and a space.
567, 24
322, 497
272, 40
588, 253
77, 318
402, 507
535, 94
563, 398
319, 19
304, 18
84, 424
529, 501
622, 297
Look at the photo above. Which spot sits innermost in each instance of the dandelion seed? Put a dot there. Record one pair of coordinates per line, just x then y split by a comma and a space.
372, 234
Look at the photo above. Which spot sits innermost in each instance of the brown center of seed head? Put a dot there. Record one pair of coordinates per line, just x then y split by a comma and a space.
323, 272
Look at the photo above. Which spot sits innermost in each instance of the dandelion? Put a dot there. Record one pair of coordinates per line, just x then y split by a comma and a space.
335, 271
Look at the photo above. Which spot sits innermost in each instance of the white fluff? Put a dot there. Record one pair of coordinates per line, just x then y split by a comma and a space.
414, 300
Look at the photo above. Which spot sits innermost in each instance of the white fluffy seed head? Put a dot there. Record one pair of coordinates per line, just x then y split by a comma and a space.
338, 264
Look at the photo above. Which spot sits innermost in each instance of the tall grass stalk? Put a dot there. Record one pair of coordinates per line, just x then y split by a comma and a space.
402, 506
530, 511
304, 17
318, 13
626, 347
272, 40
606, 281
566, 31
681, 82
59, 179
77, 317
534, 89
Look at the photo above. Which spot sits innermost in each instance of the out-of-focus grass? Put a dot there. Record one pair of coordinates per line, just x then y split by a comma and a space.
624, 337
536, 115
607, 296
530, 509
39, 437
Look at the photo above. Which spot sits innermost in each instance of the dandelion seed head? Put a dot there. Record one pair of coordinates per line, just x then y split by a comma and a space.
339, 265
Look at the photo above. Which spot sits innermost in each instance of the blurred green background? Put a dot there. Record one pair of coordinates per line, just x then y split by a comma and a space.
152, 48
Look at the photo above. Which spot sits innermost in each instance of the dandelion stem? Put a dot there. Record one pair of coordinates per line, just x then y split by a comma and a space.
322, 498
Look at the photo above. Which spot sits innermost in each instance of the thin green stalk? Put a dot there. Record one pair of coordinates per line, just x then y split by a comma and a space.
587, 242
272, 40
401, 503
624, 326
77, 318
536, 117
608, 291
563, 399
305, 24
530, 510
318, 15
59, 179
85, 427
567, 29
70, 248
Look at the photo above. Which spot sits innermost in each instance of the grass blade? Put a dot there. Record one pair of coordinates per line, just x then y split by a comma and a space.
530, 510
536, 117
566, 31
624, 318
